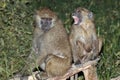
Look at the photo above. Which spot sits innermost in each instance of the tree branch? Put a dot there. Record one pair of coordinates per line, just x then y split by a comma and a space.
74, 70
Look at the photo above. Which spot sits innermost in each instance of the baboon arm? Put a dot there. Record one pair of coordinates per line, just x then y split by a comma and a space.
41, 59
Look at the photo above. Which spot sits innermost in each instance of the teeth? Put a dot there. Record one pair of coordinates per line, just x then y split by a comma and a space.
76, 19
74, 16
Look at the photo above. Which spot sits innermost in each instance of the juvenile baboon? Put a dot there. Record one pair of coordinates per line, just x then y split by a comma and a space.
83, 38
51, 48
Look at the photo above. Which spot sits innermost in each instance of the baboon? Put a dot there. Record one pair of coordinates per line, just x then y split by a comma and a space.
51, 47
83, 38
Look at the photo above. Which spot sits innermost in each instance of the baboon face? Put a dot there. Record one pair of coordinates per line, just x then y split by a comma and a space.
81, 14
46, 23
45, 19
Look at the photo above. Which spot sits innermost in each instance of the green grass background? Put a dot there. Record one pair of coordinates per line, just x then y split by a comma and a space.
16, 29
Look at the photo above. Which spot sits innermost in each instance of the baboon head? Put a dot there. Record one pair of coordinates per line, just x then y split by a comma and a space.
45, 19
82, 14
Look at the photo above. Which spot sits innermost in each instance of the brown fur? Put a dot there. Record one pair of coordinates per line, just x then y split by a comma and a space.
83, 37
90, 73
50, 48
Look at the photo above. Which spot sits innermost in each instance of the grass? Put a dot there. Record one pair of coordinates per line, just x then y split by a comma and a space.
16, 19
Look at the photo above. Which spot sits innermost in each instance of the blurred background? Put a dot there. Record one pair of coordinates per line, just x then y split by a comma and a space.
16, 29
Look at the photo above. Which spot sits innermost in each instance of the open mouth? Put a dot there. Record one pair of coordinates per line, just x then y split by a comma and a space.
76, 19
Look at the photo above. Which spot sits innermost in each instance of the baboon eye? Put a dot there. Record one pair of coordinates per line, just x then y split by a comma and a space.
46, 21
78, 10
42, 21
49, 19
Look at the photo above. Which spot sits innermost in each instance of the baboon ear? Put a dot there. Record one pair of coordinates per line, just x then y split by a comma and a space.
90, 15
